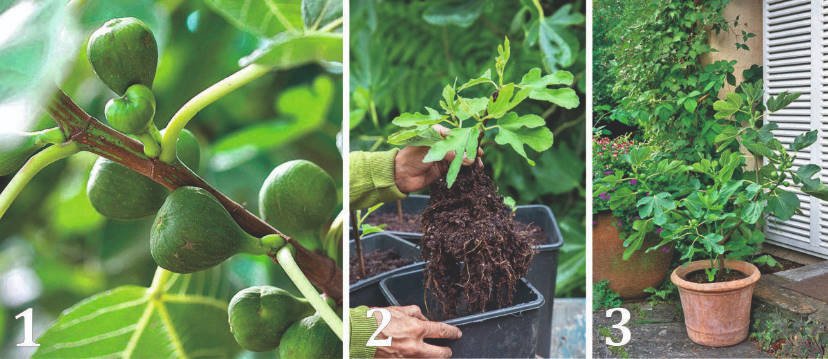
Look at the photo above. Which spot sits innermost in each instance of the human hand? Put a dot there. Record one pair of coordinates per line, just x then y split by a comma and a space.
411, 174
408, 327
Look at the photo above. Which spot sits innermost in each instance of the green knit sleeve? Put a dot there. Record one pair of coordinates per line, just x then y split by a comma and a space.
362, 327
372, 178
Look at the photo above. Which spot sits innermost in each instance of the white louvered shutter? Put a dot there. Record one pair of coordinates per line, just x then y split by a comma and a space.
795, 51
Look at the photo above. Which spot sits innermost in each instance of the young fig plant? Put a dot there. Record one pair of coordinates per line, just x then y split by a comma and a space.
468, 116
259, 316
193, 232
299, 198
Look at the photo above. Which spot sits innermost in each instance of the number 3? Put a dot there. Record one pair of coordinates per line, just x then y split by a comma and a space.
625, 332
385, 318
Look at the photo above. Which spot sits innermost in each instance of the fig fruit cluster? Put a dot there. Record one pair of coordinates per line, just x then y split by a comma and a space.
264, 318
124, 54
193, 231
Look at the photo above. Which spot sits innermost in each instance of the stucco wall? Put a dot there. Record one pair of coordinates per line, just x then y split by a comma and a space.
750, 20
749, 14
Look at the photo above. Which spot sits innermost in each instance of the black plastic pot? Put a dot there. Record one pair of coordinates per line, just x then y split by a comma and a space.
510, 332
367, 291
413, 204
544, 268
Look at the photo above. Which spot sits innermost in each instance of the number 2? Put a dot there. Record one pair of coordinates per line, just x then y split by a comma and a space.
385, 318
625, 332
28, 340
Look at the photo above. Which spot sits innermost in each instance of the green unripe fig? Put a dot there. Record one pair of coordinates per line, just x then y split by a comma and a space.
298, 198
332, 242
118, 192
133, 112
193, 232
123, 52
188, 150
17, 147
260, 315
310, 338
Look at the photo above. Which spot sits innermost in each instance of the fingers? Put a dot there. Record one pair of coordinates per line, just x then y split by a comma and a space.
437, 330
467, 161
442, 130
433, 351
413, 311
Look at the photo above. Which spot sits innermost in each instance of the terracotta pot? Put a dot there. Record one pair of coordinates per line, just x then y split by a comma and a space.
627, 278
716, 314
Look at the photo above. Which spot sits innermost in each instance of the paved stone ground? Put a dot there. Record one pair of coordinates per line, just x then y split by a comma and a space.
658, 332
770, 290
569, 328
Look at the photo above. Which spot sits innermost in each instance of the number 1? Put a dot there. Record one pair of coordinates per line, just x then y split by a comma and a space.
28, 340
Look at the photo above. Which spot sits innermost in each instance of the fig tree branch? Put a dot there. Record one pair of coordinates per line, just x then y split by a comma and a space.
93, 136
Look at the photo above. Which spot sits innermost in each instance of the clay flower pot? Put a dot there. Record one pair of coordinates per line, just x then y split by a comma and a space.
716, 314
628, 277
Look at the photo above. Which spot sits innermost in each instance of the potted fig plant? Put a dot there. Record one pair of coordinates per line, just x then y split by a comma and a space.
719, 228
623, 172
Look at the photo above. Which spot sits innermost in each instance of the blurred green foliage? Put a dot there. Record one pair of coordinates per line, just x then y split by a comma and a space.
650, 73
56, 250
403, 52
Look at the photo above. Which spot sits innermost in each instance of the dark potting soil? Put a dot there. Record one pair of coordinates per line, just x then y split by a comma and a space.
476, 251
700, 276
536, 234
410, 221
376, 262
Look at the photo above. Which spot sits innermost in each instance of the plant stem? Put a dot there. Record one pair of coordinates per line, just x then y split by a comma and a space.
50, 136
332, 25
200, 101
32, 167
285, 258
358, 241
399, 210
158, 280
539, 7
151, 148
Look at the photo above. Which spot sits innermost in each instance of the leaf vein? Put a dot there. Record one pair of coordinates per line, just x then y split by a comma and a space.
102, 311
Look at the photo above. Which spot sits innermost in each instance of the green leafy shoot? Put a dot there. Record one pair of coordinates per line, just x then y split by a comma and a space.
468, 117
365, 228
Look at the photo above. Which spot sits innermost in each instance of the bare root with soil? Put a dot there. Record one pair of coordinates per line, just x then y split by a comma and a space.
476, 251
